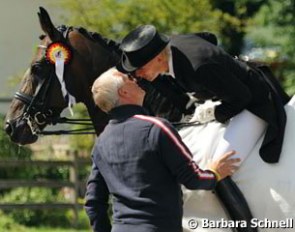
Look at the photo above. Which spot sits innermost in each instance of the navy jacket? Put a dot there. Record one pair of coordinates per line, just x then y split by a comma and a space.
141, 161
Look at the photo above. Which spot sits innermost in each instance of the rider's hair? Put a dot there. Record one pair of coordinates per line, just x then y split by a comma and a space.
105, 89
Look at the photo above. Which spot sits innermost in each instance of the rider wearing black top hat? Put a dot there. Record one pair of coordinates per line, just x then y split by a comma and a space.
251, 99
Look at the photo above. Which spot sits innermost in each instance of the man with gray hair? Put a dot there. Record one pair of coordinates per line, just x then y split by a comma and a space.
114, 88
141, 161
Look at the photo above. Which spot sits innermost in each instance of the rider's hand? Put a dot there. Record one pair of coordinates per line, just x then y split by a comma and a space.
205, 112
225, 165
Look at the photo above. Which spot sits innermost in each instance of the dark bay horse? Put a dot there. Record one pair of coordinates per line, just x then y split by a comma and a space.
40, 101
42, 98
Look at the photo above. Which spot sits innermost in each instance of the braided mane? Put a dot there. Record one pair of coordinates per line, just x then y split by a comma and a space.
111, 45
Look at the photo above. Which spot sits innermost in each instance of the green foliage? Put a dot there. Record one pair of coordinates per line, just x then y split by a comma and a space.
50, 229
12, 151
273, 26
82, 142
234, 21
115, 18
8, 224
289, 82
9, 149
36, 217
83, 222
35, 195
264, 28
279, 17
60, 218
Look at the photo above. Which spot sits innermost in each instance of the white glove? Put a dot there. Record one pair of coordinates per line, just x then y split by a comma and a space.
192, 100
204, 113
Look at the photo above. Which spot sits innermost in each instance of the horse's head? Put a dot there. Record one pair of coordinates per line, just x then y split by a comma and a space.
61, 73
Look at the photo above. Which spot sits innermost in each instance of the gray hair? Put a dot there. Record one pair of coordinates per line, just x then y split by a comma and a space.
105, 89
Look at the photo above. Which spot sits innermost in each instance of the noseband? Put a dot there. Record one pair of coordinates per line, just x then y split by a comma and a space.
35, 113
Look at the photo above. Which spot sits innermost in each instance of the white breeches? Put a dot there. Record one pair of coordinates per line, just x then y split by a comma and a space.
241, 135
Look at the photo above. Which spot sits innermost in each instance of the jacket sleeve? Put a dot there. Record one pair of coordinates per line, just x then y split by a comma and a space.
232, 92
169, 88
210, 37
178, 159
97, 198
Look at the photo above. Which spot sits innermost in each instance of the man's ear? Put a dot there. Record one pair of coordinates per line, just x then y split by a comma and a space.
122, 92
162, 57
159, 57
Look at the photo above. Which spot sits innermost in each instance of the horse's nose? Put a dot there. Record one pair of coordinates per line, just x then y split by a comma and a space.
8, 128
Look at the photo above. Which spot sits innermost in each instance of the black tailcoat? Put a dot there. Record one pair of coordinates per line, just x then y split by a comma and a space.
208, 71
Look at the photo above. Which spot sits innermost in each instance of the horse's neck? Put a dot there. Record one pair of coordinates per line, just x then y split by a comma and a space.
103, 57
161, 106
104, 53
95, 54
99, 118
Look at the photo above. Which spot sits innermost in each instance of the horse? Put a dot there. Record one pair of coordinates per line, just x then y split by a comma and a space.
67, 62
39, 101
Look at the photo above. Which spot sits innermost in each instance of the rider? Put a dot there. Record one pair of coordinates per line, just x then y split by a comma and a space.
251, 100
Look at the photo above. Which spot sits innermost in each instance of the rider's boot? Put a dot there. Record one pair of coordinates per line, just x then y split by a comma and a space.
235, 204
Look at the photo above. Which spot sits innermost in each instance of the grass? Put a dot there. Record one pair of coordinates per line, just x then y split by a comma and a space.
7, 224
44, 229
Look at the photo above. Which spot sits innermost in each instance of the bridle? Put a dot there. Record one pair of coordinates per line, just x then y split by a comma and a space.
35, 113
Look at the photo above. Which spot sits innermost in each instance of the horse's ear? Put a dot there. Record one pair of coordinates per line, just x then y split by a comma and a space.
47, 26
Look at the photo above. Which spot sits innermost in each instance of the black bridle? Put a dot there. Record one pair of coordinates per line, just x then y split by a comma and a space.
35, 114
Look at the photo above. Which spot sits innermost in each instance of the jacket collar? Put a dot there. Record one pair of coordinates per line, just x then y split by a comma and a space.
121, 113
170, 62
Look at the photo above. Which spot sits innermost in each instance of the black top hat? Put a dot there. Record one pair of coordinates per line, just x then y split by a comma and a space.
140, 46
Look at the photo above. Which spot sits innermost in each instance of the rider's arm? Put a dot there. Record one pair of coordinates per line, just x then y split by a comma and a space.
178, 159
96, 205
221, 83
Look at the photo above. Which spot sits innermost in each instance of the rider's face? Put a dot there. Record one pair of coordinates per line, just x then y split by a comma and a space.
153, 68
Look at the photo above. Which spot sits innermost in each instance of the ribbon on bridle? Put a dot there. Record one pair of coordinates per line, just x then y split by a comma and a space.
59, 71
59, 54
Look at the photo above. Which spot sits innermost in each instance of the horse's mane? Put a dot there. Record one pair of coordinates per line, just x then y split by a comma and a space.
155, 102
107, 43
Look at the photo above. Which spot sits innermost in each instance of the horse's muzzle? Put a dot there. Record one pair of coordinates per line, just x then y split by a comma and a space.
19, 132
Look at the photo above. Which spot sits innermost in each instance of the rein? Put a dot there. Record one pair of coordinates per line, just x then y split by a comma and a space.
87, 130
64, 120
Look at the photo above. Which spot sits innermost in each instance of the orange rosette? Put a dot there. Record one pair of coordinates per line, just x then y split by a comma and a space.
58, 50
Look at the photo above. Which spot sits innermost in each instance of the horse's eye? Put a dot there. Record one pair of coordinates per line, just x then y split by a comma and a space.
36, 70
41, 37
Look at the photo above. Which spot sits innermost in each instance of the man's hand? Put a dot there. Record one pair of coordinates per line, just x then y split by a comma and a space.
225, 165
